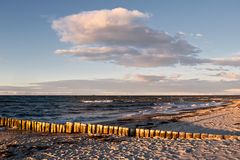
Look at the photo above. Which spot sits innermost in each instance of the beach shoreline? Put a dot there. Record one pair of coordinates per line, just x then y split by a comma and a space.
16, 144
215, 120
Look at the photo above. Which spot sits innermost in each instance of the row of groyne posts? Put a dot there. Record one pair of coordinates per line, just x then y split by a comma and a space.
91, 129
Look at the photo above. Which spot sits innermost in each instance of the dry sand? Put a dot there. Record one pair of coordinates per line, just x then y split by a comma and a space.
76, 146
24, 145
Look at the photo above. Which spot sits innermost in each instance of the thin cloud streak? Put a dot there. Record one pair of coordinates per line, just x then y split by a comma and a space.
137, 85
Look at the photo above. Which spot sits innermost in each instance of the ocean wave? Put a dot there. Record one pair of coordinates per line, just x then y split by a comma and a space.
97, 101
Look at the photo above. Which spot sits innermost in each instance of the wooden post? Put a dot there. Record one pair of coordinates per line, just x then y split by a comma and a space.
16, 123
141, 134
182, 135
1, 121
32, 124
53, 128
146, 133
227, 137
157, 133
137, 132
152, 133
29, 125
83, 128
120, 130
61, 128
35, 126
89, 129
189, 135
175, 135
69, 127
126, 131
196, 135
58, 129
76, 127
162, 134
64, 128
47, 127
123, 131
43, 126
5, 121
115, 130
9, 122
169, 134
12, 124
110, 130
211, 136
23, 125
204, 136
99, 129
19, 124
39, 126
105, 129
233, 137
219, 137
93, 126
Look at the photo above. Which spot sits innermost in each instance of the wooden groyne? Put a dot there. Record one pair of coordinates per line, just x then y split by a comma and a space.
91, 129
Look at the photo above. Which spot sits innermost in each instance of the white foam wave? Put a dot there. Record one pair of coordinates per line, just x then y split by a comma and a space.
97, 101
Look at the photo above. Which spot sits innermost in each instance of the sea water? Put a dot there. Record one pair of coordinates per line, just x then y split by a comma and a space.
98, 109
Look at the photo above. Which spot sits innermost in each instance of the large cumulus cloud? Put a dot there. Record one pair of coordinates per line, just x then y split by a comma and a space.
123, 37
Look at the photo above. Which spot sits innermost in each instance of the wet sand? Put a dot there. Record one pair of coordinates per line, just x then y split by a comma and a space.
222, 120
215, 120
219, 120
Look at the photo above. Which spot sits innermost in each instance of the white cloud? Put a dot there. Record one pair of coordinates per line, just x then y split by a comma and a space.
180, 35
216, 69
233, 91
198, 35
230, 61
100, 26
122, 37
151, 78
228, 75
145, 78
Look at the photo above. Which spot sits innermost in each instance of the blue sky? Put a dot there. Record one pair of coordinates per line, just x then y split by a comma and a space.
155, 44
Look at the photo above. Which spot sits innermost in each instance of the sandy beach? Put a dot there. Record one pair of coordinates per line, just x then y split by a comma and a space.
16, 144
219, 120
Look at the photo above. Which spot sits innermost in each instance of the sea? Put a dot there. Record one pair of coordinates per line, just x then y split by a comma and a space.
101, 109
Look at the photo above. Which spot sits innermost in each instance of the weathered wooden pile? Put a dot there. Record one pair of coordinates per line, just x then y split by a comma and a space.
77, 127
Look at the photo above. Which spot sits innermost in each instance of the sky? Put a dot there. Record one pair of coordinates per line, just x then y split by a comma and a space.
135, 47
